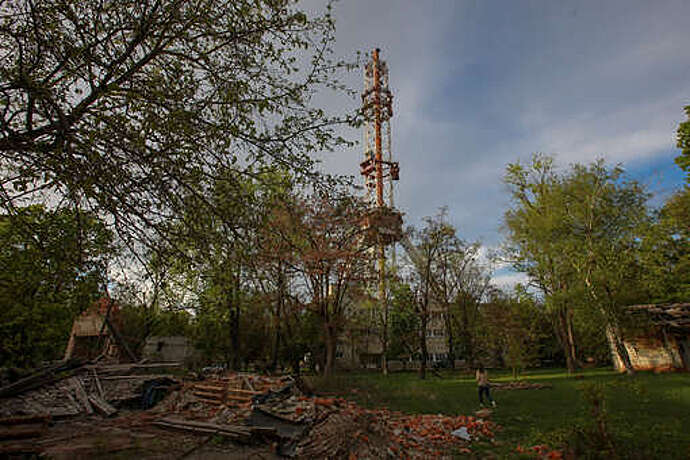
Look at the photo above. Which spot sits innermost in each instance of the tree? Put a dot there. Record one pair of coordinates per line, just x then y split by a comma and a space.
270, 268
514, 325
331, 260
460, 285
666, 243
54, 266
604, 214
209, 267
423, 248
404, 322
536, 238
126, 107
683, 136
586, 223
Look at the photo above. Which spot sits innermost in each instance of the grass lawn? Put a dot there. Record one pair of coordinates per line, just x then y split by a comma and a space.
648, 414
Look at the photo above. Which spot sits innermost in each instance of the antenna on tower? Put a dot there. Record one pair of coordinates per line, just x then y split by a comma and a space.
382, 223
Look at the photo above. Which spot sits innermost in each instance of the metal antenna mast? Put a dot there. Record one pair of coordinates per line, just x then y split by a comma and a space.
383, 222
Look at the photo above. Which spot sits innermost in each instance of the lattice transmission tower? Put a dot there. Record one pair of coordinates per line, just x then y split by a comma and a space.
383, 223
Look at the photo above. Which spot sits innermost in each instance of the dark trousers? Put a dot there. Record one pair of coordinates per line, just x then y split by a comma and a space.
484, 390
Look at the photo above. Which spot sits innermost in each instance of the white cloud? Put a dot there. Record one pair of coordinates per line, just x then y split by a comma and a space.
476, 90
509, 280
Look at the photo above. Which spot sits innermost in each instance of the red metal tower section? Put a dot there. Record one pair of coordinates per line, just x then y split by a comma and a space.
383, 223
377, 109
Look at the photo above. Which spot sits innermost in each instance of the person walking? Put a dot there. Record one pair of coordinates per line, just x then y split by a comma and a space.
482, 378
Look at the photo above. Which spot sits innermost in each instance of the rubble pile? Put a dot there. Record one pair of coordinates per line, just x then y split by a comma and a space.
83, 390
246, 409
343, 427
318, 427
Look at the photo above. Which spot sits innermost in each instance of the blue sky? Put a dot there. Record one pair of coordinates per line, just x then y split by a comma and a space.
479, 84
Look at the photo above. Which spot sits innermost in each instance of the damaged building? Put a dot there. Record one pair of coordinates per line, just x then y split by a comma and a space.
664, 343
96, 333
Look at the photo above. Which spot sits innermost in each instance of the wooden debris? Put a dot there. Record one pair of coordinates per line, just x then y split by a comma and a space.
99, 387
236, 433
102, 406
248, 383
81, 395
42, 377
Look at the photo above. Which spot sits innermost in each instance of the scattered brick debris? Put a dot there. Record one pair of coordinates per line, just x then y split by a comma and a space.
272, 414
541, 451
520, 385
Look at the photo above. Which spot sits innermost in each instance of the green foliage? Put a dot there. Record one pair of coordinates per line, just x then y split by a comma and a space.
53, 268
666, 251
577, 234
513, 328
404, 322
128, 106
683, 136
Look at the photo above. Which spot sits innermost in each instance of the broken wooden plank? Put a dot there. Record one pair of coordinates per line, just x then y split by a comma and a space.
102, 406
237, 433
247, 382
81, 394
238, 398
215, 402
209, 387
101, 393
119, 339
204, 394
42, 377
201, 424
123, 368
138, 377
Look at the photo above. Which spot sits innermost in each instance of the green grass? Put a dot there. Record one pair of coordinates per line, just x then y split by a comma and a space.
648, 414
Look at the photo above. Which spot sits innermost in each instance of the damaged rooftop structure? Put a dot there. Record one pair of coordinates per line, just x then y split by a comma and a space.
664, 344
96, 333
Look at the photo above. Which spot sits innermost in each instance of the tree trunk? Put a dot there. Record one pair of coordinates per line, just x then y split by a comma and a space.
567, 339
277, 319
422, 347
451, 341
615, 339
331, 345
384, 301
571, 339
235, 332
467, 336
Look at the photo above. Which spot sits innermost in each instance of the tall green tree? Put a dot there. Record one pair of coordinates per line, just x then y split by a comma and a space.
126, 107
605, 213
54, 266
423, 248
586, 222
536, 240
